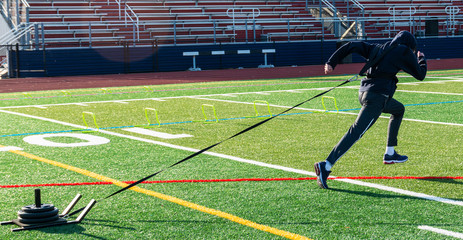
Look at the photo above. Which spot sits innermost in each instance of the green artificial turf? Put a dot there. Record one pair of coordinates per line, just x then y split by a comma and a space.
285, 147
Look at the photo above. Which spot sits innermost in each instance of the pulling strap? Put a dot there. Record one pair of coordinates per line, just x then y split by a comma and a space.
235, 135
213, 145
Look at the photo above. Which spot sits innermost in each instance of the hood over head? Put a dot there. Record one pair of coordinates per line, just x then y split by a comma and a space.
404, 38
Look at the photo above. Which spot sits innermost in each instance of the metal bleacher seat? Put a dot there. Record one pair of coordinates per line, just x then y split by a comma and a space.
170, 20
395, 15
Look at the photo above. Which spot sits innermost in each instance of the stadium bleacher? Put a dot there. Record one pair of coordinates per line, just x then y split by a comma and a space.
116, 25
114, 22
396, 15
171, 21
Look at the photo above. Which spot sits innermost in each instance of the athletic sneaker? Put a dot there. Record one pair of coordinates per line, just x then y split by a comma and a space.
394, 158
322, 174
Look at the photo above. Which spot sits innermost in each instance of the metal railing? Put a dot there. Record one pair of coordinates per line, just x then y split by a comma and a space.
244, 30
409, 11
15, 36
135, 21
126, 12
16, 33
80, 34
16, 11
287, 30
329, 5
247, 13
451, 23
359, 6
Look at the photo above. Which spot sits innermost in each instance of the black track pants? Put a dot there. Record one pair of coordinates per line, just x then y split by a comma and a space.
373, 104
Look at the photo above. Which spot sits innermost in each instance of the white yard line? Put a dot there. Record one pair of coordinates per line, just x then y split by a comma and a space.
250, 103
120, 101
318, 110
167, 98
238, 159
426, 92
244, 93
157, 99
228, 95
79, 104
442, 231
451, 79
433, 122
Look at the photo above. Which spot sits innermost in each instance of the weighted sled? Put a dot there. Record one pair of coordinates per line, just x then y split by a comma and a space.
34, 209
38, 220
38, 213
29, 215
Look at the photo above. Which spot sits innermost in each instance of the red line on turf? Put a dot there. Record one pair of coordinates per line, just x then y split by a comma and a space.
228, 180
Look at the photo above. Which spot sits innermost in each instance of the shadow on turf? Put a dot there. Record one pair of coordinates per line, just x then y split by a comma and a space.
111, 224
379, 195
371, 194
449, 181
221, 222
175, 221
79, 229
68, 229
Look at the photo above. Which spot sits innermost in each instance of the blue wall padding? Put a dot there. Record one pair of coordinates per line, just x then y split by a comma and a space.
91, 61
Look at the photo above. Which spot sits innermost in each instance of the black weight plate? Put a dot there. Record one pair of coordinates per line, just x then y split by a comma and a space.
38, 220
43, 208
51, 213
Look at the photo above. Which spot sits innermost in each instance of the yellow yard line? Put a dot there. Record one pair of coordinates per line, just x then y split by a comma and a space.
165, 197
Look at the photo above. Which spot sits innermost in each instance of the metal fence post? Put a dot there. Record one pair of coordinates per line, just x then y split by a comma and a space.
18, 15
214, 28
90, 33
254, 29
43, 35
246, 29
36, 36
133, 33
8, 10
175, 32
289, 32
17, 60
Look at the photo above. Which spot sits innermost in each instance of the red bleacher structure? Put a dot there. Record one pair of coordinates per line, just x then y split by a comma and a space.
132, 31
422, 17
83, 23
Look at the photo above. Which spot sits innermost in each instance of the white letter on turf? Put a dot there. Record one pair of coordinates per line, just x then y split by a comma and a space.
89, 140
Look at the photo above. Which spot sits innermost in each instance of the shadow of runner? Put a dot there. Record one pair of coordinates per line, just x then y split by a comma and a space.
380, 195
443, 180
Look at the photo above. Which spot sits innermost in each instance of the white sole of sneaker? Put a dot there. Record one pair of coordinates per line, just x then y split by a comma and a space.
393, 161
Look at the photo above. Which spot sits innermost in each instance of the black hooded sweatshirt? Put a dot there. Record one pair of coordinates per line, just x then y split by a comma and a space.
381, 78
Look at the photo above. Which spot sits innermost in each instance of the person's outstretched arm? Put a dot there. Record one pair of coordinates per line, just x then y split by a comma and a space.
361, 48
